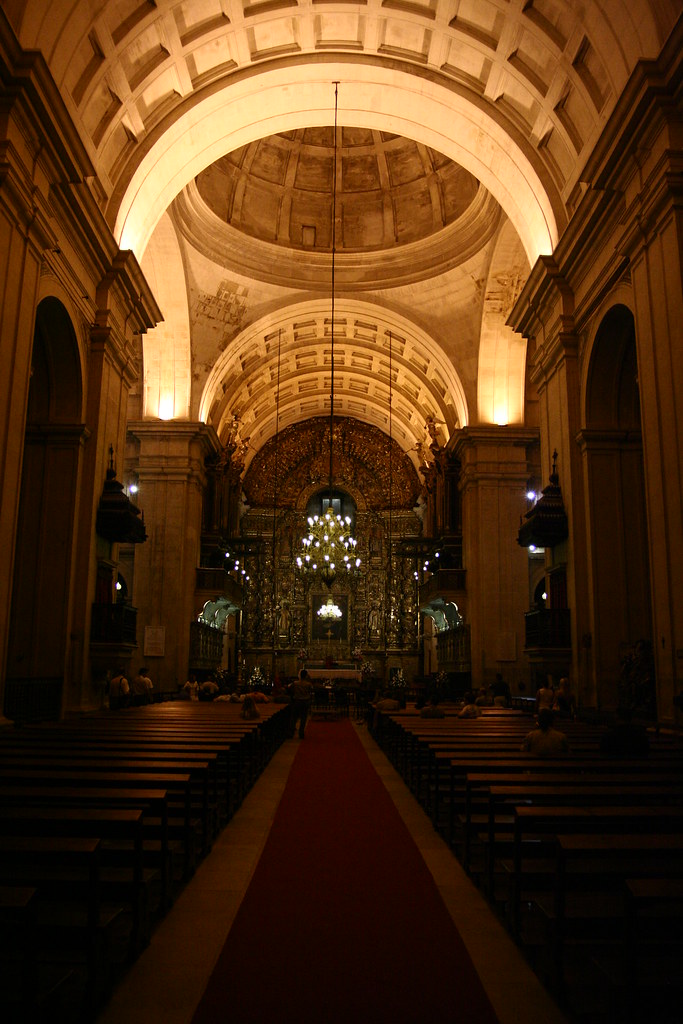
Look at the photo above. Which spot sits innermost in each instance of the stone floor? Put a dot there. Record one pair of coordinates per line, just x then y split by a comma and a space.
166, 982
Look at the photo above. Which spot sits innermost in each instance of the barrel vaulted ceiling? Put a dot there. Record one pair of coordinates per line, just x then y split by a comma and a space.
464, 126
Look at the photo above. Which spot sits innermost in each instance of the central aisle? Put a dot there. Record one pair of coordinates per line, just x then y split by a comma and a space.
342, 920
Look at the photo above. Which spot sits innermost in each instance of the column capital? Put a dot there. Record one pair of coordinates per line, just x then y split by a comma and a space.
495, 454
167, 450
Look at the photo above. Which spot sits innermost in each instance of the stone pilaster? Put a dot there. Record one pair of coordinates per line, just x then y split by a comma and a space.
493, 476
169, 461
547, 317
656, 253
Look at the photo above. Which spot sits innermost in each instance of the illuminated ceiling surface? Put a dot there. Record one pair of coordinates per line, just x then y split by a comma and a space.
464, 126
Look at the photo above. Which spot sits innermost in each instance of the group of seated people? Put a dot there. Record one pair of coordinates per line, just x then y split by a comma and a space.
209, 690
624, 738
559, 700
122, 692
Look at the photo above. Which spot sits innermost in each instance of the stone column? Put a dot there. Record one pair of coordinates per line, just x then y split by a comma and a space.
169, 460
548, 319
655, 246
24, 235
494, 472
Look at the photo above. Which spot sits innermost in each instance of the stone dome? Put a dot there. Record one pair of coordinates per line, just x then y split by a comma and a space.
390, 190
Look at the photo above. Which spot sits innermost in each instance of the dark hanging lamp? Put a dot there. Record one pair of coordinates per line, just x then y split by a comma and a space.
118, 519
546, 524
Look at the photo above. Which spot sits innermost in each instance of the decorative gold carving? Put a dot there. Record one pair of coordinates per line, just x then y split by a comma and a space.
360, 465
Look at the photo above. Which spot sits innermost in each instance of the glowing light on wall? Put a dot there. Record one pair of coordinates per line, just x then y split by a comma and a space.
166, 408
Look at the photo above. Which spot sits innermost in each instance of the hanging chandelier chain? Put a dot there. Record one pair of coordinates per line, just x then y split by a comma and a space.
275, 492
334, 253
329, 545
391, 467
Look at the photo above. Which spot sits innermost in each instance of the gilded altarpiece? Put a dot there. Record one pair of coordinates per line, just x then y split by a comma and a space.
379, 603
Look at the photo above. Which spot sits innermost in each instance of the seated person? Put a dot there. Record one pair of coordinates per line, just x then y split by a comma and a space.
500, 691
249, 709
208, 689
119, 691
544, 741
432, 709
141, 688
564, 702
545, 697
626, 738
470, 709
387, 702
481, 698
190, 690
258, 697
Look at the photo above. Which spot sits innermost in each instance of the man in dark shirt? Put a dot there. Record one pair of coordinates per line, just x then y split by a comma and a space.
302, 694
500, 692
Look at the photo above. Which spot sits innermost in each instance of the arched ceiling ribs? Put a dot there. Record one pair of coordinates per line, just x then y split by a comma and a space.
371, 95
242, 383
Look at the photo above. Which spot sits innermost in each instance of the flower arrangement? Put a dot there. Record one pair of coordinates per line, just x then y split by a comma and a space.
303, 654
367, 669
399, 680
441, 680
256, 679
357, 654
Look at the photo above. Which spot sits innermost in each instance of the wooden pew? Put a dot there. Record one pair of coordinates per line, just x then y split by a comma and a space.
199, 772
650, 984
57, 864
533, 825
490, 799
586, 863
587, 764
118, 824
177, 786
154, 801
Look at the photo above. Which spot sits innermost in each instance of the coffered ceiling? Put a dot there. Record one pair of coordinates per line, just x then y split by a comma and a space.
464, 127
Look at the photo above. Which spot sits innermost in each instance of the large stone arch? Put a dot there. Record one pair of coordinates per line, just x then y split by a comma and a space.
617, 549
371, 94
42, 591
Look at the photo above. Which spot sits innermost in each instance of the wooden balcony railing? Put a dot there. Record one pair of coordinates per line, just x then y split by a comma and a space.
453, 649
548, 627
113, 624
206, 646
443, 583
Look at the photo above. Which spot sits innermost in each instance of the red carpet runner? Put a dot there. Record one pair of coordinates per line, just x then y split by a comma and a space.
342, 921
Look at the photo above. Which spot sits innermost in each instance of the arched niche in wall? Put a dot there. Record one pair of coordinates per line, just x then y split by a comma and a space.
611, 445
43, 578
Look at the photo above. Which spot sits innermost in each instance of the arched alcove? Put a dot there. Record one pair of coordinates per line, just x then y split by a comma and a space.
617, 526
42, 584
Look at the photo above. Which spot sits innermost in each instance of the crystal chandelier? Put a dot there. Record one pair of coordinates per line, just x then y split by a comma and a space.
329, 546
329, 612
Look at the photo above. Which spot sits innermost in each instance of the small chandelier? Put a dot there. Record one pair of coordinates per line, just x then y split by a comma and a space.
329, 612
329, 545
